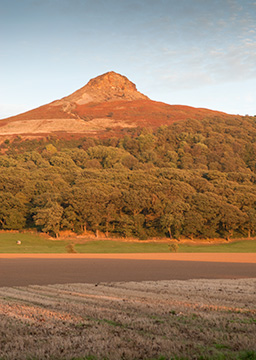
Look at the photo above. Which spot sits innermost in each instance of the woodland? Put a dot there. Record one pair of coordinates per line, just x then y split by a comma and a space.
192, 179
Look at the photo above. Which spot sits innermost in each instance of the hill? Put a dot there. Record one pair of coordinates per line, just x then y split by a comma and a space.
138, 168
104, 107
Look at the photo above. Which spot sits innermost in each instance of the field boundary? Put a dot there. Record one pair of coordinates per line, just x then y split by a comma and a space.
206, 257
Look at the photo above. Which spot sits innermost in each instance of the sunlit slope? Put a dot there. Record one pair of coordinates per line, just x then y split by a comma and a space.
102, 108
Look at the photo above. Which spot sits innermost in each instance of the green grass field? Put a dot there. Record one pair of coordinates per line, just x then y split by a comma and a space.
30, 244
242, 246
33, 243
246, 246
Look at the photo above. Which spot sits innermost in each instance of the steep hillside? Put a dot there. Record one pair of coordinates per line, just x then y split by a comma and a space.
102, 108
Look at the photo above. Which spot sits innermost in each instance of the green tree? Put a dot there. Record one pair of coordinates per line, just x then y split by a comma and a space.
13, 211
166, 222
49, 217
231, 219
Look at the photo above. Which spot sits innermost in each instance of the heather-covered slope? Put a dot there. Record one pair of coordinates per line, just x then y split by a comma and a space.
108, 103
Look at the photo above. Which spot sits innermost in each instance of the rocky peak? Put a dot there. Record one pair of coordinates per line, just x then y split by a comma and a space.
112, 81
107, 87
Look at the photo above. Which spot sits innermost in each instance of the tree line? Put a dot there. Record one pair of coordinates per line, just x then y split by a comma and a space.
192, 179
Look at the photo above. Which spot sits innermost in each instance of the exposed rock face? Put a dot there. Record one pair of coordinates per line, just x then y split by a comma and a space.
107, 87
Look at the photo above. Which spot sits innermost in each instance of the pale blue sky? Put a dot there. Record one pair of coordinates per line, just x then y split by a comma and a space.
191, 52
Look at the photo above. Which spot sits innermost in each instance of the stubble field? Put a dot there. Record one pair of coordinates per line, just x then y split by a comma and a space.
193, 319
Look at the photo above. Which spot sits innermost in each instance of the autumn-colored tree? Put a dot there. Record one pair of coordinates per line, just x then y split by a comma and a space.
193, 178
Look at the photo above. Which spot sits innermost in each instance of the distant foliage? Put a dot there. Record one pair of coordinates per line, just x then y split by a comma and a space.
174, 247
192, 179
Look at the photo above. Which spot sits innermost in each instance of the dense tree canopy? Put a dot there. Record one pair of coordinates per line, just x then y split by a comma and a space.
192, 179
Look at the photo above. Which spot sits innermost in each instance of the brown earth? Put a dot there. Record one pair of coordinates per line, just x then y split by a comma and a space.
195, 319
102, 108
28, 269
205, 257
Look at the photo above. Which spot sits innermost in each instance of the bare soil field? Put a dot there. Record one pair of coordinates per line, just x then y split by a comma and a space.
46, 269
174, 319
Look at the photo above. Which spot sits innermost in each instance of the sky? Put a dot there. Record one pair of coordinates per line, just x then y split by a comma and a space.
200, 53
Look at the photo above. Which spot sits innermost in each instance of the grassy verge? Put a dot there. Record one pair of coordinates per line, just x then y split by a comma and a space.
116, 247
246, 246
32, 243
242, 246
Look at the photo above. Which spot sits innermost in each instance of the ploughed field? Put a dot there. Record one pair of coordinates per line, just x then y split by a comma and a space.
193, 319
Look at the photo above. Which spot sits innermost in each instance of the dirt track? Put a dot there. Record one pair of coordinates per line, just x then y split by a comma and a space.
208, 257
